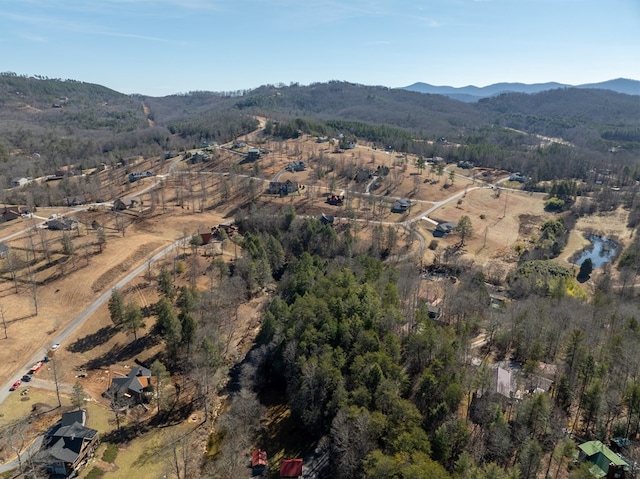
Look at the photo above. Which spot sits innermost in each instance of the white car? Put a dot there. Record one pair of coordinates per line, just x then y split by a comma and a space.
55, 346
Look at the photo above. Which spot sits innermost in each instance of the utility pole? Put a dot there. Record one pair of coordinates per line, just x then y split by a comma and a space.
506, 197
55, 379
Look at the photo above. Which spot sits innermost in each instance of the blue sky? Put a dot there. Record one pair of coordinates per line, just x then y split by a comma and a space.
160, 47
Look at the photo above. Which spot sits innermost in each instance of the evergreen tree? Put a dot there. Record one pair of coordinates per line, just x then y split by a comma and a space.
132, 319
586, 268
116, 307
165, 284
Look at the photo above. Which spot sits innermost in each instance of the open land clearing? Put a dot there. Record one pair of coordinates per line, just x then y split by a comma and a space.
199, 196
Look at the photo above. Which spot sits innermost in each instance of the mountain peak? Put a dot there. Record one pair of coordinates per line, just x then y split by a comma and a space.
473, 93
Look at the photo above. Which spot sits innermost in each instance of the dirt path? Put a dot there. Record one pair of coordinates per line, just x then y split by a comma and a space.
147, 111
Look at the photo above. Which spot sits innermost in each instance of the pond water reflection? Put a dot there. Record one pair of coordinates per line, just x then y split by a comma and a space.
601, 251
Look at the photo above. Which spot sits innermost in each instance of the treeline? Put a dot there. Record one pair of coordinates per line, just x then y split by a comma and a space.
221, 127
42, 92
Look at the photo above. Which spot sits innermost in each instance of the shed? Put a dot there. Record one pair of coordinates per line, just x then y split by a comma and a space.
205, 238
258, 459
291, 468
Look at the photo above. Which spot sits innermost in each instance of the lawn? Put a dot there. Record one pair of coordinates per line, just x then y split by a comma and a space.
18, 407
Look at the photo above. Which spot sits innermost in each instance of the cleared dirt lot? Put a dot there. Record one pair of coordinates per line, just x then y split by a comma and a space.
61, 297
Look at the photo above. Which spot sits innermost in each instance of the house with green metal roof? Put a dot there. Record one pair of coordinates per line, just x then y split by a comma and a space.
606, 463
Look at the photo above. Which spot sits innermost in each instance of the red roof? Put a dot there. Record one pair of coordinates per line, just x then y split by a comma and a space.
291, 468
205, 237
258, 458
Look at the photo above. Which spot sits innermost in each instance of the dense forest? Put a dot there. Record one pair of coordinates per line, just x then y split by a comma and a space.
381, 390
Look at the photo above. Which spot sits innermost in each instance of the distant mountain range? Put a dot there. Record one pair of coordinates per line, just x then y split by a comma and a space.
473, 93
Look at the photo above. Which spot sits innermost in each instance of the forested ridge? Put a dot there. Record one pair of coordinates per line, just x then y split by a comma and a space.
50, 123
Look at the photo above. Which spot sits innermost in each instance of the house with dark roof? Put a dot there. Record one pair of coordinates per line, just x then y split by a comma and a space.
444, 228
75, 200
131, 389
253, 154
68, 445
62, 224
296, 166
326, 220
10, 213
282, 189
363, 174
124, 204
400, 206
291, 468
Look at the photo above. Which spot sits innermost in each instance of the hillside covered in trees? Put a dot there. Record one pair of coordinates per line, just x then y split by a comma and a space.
51, 124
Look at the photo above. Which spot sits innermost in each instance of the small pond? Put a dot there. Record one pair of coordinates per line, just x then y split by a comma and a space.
601, 251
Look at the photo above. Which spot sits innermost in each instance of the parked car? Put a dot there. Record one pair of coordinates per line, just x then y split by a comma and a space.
36, 367
15, 385
55, 346
26, 378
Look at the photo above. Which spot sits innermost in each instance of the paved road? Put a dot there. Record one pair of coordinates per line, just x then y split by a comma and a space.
31, 450
82, 317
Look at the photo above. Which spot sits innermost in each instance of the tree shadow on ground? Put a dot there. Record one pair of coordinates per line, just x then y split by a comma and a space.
90, 341
123, 352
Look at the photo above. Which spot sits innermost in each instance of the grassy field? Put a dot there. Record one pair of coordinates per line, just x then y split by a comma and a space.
18, 407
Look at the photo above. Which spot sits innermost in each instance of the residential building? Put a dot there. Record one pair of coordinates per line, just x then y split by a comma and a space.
282, 188
131, 389
606, 463
68, 445
10, 213
400, 206
124, 204
445, 228
16, 182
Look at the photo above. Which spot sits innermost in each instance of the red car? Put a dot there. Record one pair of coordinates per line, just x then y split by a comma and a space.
16, 385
